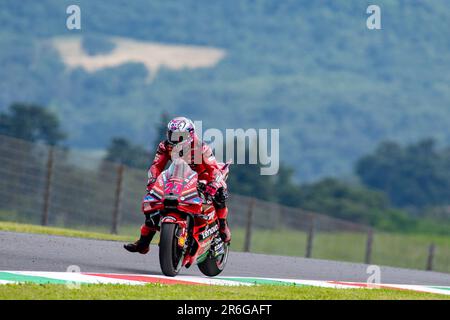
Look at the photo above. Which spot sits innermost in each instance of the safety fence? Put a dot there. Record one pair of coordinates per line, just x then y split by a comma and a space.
60, 187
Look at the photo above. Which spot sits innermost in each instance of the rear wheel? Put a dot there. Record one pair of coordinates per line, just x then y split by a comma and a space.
212, 266
170, 255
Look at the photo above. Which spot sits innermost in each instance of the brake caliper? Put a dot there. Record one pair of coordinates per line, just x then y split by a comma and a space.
182, 235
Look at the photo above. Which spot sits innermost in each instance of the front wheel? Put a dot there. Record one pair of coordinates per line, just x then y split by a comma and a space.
170, 255
212, 266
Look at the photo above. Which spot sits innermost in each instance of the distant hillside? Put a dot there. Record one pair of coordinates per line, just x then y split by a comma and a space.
310, 68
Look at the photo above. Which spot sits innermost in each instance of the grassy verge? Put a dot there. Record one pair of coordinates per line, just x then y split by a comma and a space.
198, 292
29, 228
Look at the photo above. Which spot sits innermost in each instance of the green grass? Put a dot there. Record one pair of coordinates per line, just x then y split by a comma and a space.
198, 292
399, 250
29, 228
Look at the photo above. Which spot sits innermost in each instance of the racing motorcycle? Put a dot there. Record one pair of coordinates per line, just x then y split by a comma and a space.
189, 227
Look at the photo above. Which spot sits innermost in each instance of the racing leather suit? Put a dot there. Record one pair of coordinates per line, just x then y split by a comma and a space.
207, 169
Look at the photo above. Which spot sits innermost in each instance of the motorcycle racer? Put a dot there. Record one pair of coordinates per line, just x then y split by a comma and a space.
182, 141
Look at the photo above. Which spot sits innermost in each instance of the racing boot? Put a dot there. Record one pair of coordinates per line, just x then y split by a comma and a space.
143, 244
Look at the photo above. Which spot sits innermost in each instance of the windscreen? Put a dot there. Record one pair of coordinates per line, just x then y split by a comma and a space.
179, 169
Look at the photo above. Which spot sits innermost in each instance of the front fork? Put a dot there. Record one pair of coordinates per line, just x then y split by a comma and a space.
182, 230
217, 245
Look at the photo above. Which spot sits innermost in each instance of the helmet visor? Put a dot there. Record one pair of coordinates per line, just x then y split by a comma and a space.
175, 137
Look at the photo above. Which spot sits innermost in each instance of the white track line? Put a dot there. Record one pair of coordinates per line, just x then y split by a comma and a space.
76, 277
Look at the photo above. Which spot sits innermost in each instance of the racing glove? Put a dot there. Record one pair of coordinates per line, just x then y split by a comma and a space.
211, 189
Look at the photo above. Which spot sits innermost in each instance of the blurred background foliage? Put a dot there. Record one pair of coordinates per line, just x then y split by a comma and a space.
395, 188
363, 114
313, 69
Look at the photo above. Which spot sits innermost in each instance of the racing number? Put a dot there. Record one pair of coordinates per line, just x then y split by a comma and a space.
172, 187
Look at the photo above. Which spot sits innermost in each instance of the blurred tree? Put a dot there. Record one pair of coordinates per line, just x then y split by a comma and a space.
245, 179
338, 199
123, 151
32, 123
352, 202
286, 190
161, 128
413, 175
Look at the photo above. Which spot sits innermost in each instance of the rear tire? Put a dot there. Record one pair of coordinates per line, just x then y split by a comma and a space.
211, 266
169, 253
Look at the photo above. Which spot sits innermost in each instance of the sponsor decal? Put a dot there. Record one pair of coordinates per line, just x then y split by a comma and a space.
190, 182
208, 232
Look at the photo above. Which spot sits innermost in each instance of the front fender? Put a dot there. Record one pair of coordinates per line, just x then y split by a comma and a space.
173, 217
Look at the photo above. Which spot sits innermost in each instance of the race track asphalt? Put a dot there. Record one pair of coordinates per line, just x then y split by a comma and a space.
37, 252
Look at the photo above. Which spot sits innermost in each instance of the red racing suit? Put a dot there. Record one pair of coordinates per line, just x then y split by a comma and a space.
206, 167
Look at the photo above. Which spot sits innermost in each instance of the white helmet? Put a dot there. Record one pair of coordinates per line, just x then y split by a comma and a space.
180, 129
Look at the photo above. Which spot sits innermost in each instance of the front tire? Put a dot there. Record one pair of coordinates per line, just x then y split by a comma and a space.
170, 255
211, 266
